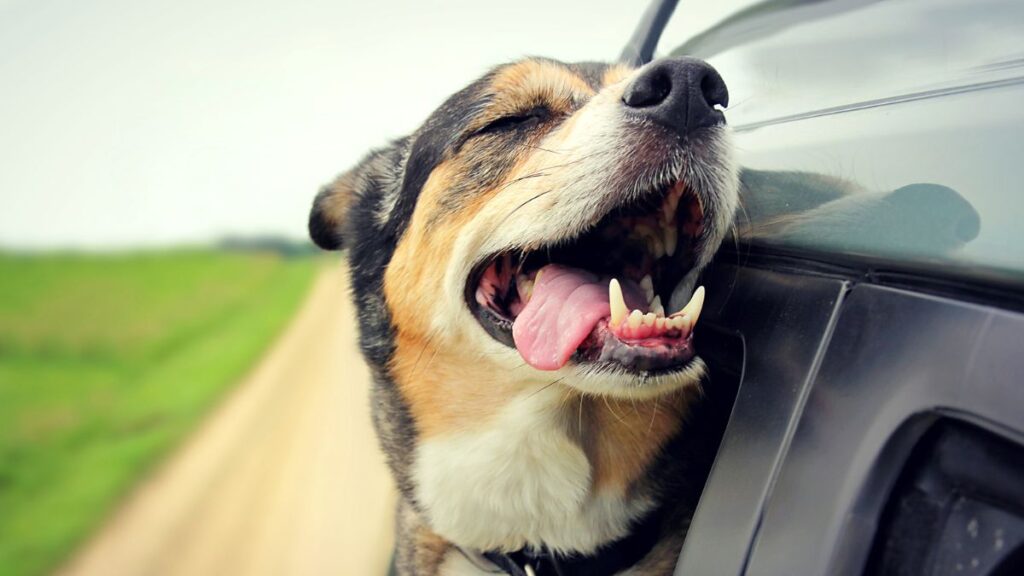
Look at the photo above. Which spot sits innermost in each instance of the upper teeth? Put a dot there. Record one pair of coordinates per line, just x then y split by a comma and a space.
671, 238
672, 202
670, 208
618, 303
662, 236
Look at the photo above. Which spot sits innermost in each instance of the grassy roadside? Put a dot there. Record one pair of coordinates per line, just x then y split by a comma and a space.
106, 362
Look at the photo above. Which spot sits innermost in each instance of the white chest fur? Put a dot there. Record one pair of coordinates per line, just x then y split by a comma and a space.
519, 479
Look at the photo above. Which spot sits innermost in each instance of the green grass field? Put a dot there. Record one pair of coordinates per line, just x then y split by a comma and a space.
106, 361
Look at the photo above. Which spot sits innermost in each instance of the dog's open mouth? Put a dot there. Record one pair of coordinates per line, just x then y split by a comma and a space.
607, 296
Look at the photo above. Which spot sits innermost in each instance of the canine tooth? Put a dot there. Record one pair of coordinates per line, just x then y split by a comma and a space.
671, 239
617, 302
536, 277
648, 286
671, 205
635, 318
695, 305
690, 323
649, 319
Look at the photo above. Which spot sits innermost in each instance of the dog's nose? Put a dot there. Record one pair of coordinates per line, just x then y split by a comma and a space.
678, 93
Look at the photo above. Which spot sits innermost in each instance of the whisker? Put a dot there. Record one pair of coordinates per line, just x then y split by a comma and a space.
520, 207
654, 413
612, 410
416, 364
544, 171
546, 386
429, 362
580, 418
566, 396
735, 105
535, 147
536, 174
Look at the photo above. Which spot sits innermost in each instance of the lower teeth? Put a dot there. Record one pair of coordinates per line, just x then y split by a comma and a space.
637, 324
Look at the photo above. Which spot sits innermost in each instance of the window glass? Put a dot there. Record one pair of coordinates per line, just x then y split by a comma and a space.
888, 130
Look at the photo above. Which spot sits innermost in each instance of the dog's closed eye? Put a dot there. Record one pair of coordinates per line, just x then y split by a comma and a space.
517, 121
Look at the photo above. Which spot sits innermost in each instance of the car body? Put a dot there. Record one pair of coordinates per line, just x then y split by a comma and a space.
874, 341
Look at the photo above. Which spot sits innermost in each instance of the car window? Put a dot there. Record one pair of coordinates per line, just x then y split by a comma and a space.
878, 130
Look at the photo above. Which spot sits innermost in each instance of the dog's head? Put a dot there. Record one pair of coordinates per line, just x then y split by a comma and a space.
551, 213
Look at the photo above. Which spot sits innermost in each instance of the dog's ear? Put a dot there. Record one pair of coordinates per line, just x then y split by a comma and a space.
331, 208
376, 176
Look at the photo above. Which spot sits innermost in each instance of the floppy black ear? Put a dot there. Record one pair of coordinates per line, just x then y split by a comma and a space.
375, 176
330, 210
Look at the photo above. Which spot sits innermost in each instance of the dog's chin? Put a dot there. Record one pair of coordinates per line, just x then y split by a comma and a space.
611, 310
614, 382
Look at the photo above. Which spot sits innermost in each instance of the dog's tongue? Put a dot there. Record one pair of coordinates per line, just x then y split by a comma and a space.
565, 306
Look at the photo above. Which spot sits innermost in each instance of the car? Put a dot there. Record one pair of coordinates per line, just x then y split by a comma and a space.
866, 325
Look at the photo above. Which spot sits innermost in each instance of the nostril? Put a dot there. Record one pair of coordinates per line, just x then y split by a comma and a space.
648, 90
661, 86
712, 87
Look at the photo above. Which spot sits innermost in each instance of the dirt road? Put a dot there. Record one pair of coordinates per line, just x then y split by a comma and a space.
284, 478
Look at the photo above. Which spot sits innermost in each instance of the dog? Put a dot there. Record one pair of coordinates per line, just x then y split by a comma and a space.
525, 270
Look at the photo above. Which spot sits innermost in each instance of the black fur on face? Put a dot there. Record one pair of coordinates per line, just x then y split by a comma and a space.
366, 210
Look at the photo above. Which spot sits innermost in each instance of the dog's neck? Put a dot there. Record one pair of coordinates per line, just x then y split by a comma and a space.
513, 465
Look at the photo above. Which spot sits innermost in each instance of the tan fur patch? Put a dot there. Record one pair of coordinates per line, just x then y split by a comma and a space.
450, 392
420, 550
623, 437
445, 386
523, 85
616, 74
337, 198
412, 278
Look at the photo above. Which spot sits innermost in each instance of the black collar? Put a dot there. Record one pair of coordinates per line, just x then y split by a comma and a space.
607, 560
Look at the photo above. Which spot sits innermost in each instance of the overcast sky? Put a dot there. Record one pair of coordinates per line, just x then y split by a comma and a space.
148, 122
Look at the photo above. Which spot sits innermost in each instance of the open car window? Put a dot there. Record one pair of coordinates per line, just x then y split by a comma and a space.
885, 133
